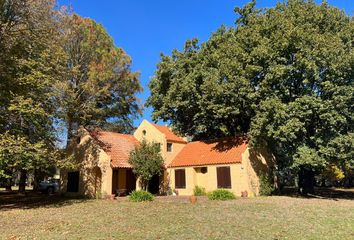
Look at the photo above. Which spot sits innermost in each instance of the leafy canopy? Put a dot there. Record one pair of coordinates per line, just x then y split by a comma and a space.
146, 161
99, 88
282, 75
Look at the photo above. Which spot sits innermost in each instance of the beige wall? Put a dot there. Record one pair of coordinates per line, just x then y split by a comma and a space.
154, 135
94, 167
244, 176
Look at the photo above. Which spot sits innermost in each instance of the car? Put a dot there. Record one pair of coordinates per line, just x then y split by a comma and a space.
49, 186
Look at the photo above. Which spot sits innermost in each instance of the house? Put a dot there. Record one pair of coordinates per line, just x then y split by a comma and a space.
103, 169
226, 163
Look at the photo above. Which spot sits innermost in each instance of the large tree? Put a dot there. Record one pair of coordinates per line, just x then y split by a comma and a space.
100, 87
283, 75
29, 66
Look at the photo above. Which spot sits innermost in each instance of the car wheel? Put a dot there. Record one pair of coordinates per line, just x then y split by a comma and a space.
50, 191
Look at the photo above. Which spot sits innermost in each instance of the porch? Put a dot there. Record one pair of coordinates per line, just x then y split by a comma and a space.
123, 181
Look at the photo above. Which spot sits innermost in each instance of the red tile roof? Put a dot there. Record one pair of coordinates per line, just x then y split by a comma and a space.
170, 136
221, 151
117, 146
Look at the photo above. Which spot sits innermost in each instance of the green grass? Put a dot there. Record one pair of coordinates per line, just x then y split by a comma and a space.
176, 218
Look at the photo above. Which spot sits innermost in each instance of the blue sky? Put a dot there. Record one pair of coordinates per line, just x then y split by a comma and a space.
144, 29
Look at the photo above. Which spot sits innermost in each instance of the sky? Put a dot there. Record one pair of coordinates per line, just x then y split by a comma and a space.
144, 29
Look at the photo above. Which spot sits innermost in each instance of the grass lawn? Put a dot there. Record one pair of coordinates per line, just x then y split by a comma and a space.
176, 218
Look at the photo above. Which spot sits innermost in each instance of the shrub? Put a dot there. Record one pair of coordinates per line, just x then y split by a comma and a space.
141, 196
221, 194
266, 187
199, 191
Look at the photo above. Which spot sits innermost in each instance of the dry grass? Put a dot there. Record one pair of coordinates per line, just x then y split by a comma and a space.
165, 218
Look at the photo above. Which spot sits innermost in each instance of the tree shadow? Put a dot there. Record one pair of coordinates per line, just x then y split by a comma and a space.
32, 200
228, 143
321, 193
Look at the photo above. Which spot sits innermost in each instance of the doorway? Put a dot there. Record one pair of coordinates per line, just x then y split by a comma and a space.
154, 184
73, 182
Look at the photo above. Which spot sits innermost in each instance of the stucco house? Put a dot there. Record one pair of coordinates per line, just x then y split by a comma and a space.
103, 167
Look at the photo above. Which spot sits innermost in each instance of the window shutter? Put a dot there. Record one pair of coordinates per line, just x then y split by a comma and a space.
180, 178
223, 177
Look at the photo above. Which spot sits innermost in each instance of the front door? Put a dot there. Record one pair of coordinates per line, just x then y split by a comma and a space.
154, 184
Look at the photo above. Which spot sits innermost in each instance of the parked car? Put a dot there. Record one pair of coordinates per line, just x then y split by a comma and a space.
49, 186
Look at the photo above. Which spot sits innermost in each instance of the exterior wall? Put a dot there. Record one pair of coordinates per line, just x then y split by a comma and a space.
93, 165
154, 135
208, 180
244, 176
256, 162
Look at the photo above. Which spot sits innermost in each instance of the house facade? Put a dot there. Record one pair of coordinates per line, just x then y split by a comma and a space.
103, 168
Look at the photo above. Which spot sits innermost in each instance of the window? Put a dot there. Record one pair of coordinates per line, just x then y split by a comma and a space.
169, 147
223, 177
78, 140
204, 170
180, 178
144, 132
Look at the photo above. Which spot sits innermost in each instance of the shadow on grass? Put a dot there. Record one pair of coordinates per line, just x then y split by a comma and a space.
322, 193
31, 200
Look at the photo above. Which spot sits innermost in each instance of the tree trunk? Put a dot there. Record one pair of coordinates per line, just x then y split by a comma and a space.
306, 181
72, 132
8, 184
276, 180
22, 183
35, 180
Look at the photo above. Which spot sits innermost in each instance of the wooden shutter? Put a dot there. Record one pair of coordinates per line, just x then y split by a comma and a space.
180, 178
223, 177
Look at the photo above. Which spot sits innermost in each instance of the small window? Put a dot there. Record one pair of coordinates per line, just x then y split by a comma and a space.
204, 170
144, 132
180, 178
169, 147
223, 177
78, 140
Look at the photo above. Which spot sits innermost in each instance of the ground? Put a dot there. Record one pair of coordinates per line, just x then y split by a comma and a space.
42, 217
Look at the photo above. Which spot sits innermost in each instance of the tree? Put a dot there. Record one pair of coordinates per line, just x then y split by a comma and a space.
146, 161
29, 66
282, 75
99, 88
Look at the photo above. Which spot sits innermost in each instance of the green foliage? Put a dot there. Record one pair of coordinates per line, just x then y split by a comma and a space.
147, 161
282, 75
99, 88
17, 153
30, 63
141, 196
221, 194
56, 66
199, 191
333, 173
266, 187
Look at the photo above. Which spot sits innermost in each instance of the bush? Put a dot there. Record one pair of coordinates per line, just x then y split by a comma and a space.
141, 196
199, 191
266, 187
221, 194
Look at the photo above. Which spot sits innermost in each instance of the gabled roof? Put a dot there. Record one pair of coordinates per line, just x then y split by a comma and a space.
170, 136
117, 146
220, 151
